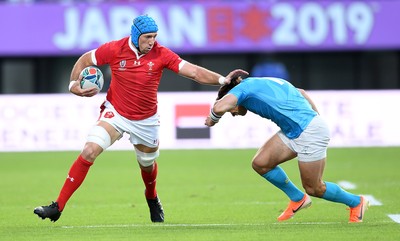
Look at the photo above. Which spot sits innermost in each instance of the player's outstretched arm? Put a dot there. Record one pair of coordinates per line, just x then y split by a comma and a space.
208, 77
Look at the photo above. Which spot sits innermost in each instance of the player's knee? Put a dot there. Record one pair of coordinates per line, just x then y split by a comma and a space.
260, 167
314, 190
255, 167
91, 151
146, 159
100, 136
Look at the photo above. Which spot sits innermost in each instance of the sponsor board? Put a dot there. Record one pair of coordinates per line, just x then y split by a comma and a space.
61, 121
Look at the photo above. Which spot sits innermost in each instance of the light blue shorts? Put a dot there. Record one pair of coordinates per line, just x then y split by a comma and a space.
312, 143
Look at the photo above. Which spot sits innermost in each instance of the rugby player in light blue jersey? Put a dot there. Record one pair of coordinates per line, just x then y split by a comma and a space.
303, 134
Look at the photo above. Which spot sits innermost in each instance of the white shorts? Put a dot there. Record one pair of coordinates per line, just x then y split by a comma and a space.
145, 132
312, 143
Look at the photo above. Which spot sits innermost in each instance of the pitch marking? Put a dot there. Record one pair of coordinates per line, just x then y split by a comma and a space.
395, 217
194, 225
347, 185
372, 200
161, 225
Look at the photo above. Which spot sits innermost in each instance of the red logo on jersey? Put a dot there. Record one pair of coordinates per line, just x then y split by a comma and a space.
108, 114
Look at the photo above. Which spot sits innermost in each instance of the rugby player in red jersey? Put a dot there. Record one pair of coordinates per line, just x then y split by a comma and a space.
137, 63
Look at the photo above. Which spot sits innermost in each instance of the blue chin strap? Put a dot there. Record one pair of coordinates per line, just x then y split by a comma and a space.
141, 25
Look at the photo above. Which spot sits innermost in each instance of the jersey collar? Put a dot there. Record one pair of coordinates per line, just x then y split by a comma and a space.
133, 48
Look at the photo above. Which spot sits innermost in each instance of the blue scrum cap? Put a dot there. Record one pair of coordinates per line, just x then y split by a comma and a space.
142, 24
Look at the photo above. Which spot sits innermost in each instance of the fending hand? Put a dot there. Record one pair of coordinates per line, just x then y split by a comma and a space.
234, 74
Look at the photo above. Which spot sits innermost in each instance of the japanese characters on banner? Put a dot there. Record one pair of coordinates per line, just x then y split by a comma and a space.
190, 27
62, 121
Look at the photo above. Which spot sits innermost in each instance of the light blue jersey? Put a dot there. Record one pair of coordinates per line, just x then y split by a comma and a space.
277, 100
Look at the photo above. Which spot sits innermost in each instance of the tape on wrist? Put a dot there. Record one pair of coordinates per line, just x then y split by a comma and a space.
214, 117
221, 80
71, 83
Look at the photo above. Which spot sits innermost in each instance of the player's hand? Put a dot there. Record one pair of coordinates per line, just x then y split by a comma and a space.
234, 74
77, 90
209, 122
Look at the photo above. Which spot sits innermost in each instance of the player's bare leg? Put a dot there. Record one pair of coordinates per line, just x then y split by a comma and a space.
266, 161
311, 175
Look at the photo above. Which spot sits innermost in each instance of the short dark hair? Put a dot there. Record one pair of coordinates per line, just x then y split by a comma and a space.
223, 90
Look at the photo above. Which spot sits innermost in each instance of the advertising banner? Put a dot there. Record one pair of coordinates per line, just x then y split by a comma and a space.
61, 121
203, 26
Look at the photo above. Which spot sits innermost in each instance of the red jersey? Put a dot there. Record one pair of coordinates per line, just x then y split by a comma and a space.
135, 78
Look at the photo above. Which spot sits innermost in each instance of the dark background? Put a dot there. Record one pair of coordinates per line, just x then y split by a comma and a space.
309, 70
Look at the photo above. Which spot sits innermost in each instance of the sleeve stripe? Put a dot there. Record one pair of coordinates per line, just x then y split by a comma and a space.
93, 55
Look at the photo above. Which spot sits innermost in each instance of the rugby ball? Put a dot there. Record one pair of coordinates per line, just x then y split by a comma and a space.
92, 77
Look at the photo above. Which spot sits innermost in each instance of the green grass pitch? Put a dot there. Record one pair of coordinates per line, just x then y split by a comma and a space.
207, 195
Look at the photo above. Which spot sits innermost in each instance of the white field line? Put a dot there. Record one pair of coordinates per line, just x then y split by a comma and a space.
193, 225
395, 217
347, 185
372, 200
210, 224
